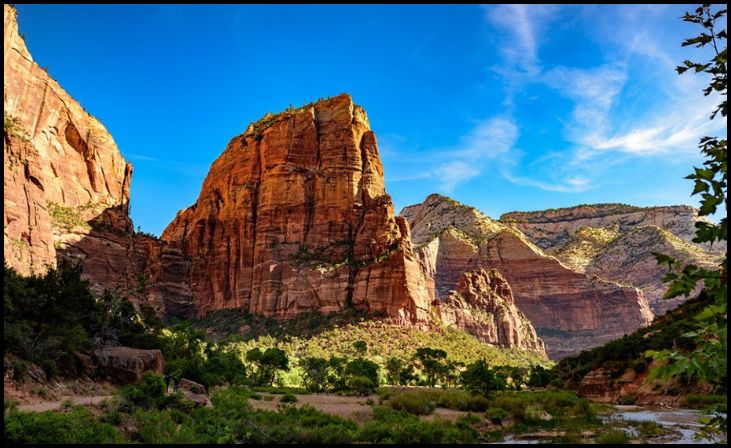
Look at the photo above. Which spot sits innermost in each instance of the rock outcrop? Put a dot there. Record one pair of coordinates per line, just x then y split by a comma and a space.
66, 191
127, 365
294, 217
570, 310
552, 228
628, 258
66, 185
483, 306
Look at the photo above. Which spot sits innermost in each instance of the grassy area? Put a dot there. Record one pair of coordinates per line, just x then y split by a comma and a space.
317, 335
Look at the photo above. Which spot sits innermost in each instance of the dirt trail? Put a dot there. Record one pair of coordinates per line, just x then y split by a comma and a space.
53, 405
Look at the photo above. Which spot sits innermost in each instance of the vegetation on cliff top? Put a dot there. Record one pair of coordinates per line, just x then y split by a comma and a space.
256, 129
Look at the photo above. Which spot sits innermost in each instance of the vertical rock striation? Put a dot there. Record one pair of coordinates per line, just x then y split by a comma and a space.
294, 217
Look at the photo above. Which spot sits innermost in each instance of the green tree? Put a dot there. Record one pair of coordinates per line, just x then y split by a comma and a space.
432, 363
314, 373
479, 378
540, 377
267, 363
362, 368
399, 373
708, 361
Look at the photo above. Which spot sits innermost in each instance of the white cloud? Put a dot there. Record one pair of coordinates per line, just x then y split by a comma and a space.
488, 140
520, 24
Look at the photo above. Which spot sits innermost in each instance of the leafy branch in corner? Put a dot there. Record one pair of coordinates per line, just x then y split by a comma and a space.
708, 362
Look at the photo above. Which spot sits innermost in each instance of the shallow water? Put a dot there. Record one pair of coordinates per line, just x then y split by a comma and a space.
684, 423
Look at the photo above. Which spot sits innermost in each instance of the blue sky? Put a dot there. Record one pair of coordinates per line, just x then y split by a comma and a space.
503, 107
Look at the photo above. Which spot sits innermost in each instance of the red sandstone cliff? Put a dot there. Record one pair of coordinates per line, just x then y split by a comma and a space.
570, 310
294, 216
64, 176
483, 306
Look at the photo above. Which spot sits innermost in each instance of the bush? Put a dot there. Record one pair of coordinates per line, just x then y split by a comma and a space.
628, 399
361, 385
288, 398
158, 427
392, 426
413, 403
613, 436
149, 393
72, 427
496, 415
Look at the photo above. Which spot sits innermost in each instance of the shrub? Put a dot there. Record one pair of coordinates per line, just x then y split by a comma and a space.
361, 385
496, 415
392, 426
288, 398
74, 426
149, 393
20, 370
413, 403
627, 399
158, 427
613, 436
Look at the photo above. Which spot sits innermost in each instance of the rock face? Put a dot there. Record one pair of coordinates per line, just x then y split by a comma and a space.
294, 216
552, 228
628, 258
66, 185
66, 191
127, 365
570, 310
483, 305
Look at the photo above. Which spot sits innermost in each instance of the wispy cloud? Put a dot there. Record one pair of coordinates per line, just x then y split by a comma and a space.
488, 141
519, 25
188, 169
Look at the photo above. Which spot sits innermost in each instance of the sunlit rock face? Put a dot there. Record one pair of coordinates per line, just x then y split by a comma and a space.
570, 310
483, 306
294, 217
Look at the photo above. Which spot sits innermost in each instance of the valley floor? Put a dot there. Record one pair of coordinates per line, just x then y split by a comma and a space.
532, 416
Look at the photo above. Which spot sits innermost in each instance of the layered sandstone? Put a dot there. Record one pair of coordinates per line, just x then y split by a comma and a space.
628, 258
66, 184
570, 310
552, 228
66, 189
483, 306
294, 217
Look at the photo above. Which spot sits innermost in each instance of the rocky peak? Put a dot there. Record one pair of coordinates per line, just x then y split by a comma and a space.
569, 309
483, 305
294, 216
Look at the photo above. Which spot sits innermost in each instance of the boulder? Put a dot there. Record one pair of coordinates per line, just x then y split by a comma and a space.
194, 392
127, 365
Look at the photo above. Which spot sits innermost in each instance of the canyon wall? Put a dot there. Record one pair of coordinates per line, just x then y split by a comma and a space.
570, 310
294, 217
552, 228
